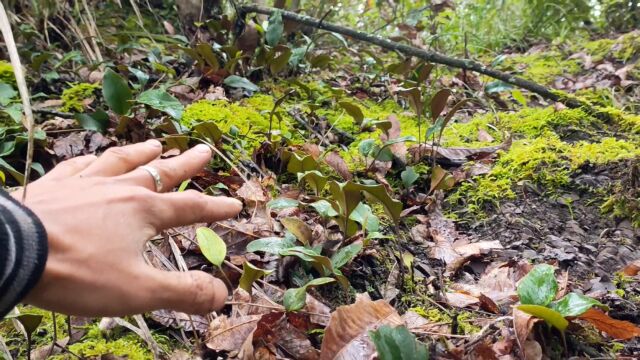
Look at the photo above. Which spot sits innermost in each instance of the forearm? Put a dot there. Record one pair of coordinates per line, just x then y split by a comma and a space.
23, 252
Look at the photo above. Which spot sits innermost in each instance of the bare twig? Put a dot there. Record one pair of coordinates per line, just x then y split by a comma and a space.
427, 55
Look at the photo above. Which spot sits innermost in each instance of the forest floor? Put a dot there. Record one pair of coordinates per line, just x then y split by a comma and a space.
516, 181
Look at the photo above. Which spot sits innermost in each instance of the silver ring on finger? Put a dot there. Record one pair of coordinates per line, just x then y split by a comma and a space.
155, 175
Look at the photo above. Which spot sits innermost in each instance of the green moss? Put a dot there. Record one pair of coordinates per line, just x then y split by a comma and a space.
542, 67
250, 118
606, 151
597, 49
73, 96
629, 122
6, 73
465, 324
623, 48
95, 344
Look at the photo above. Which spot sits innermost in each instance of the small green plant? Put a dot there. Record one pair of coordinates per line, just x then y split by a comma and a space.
397, 343
537, 291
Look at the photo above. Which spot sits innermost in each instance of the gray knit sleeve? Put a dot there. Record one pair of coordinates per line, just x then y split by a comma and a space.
23, 251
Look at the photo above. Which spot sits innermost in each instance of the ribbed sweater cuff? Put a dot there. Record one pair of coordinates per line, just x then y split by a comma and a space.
23, 251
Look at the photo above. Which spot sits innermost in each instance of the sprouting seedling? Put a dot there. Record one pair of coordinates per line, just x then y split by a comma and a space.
213, 248
273, 112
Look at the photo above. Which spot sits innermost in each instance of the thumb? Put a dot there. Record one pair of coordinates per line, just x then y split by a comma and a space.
191, 292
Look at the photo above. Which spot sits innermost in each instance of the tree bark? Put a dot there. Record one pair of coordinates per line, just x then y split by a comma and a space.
427, 55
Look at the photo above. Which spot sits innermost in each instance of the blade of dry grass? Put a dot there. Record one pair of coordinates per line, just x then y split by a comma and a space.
27, 120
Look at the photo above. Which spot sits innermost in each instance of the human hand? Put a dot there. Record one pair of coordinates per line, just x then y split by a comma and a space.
98, 214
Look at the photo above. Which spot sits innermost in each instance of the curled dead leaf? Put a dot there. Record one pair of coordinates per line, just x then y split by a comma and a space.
338, 164
522, 325
347, 336
617, 329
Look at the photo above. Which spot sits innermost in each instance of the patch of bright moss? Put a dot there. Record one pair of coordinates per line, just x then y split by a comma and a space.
249, 118
541, 157
622, 48
95, 344
6, 73
542, 67
73, 97
629, 122
606, 151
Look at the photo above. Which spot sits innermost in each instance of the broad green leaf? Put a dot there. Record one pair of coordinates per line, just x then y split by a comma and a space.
345, 255
391, 206
275, 28
211, 245
236, 81
3, 178
324, 208
439, 102
98, 121
315, 179
15, 111
551, 316
116, 92
441, 179
282, 203
497, 86
142, 76
408, 176
162, 101
17, 175
399, 140
298, 228
353, 110
575, 304
206, 51
398, 344
519, 97
209, 131
415, 99
301, 163
539, 286
271, 245
30, 322
295, 298
250, 274
7, 93
320, 61
279, 59
367, 147
321, 263
363, 215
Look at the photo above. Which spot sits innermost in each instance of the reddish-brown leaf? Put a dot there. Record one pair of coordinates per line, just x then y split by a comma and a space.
338, 164
228, 334
347, 336
522, 324
632, 269
617, 329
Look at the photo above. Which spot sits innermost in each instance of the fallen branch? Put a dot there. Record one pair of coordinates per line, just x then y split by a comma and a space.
427, 55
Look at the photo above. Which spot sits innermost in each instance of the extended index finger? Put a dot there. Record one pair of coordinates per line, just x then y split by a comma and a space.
189, 207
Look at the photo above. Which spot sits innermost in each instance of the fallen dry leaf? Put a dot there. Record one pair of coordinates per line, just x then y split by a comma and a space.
228, 334
632, 269
347, 336
252, 192
617, 329
286, 331
484, 136
522, 325
532, 350
416, 323
338, 164
456, 155
461, 299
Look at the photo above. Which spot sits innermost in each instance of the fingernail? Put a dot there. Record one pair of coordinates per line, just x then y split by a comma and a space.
154, 143
202, 148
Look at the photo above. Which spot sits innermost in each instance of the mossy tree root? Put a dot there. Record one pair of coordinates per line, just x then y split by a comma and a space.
428, 55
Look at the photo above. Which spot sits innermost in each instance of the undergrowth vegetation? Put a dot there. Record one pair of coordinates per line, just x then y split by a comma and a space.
365, 174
